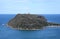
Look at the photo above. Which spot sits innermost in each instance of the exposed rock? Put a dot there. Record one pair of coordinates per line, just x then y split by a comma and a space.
28, 21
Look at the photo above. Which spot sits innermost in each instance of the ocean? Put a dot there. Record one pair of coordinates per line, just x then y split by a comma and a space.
47, 33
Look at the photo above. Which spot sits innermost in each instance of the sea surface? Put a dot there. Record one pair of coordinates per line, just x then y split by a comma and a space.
47, 33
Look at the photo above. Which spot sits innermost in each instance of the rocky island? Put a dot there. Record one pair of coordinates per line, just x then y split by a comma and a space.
29, 22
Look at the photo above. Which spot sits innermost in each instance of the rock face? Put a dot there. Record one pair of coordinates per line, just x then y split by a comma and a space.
28, 22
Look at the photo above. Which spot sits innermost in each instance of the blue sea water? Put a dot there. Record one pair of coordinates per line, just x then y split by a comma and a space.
47, 33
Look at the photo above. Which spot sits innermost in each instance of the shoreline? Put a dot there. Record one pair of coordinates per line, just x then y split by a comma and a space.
53, 26
33, 28
21, 28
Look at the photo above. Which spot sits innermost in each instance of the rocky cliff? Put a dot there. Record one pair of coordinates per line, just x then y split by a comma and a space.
28, 21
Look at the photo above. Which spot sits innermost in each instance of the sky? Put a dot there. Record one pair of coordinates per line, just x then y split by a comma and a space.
30, 6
